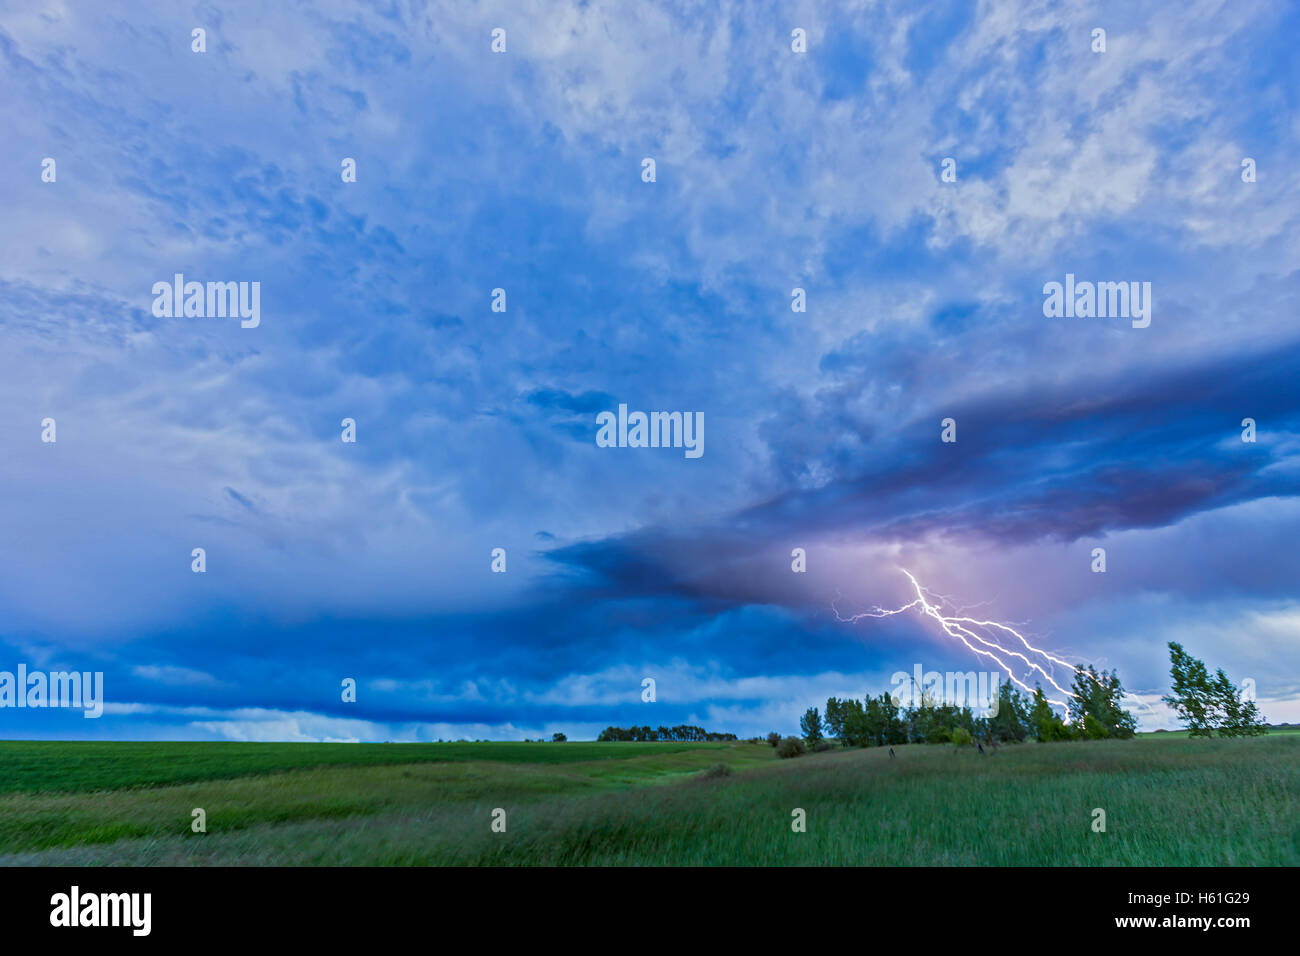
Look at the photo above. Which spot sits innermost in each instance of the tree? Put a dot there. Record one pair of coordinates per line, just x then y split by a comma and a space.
1236, 718
927, 720
774, 738
811, 725
1192, 697
1011, 723
1205, 705
855, 724
895, 731
1099, 696
918, 718
1252, 721
1047, 726
834, 719
1092, 728
873, 723
558, 738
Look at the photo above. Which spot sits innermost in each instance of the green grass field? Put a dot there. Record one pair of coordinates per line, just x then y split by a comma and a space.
1168, 801
1183, 735
76, 767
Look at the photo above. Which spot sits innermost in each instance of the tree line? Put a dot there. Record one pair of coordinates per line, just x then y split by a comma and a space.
1205, 705
680, 732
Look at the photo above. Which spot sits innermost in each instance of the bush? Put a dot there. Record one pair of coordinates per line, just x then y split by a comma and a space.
717, 770
938, 735
961, 737
1054, 729
823, 745
774, 738
791, 747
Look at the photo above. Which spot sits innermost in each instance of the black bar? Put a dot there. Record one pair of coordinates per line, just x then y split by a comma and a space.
331, 906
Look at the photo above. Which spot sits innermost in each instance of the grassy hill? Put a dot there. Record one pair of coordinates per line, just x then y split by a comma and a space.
1168, 801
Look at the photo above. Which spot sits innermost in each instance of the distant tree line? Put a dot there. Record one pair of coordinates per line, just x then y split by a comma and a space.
881, 721
680, 732
1205, 705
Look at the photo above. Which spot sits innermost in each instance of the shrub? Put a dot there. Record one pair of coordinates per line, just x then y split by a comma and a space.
717, 770
938, 735
791, 747
823, 745
961, 737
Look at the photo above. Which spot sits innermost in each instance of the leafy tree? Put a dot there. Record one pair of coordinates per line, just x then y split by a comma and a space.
1252, 721
811, 725
927, 720
917, 718
1011, 722
774, 738
558, 738
895, 731
1047, 726
879, 721
855, 724
1191, 697
873, 722
1099, 696
1237, 718
963, 717
1092, 728
834, 719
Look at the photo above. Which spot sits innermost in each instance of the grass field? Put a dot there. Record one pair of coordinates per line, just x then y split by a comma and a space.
76, 767
1168, 801
1183, 734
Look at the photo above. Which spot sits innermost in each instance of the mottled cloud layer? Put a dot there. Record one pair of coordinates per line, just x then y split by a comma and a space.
476, 429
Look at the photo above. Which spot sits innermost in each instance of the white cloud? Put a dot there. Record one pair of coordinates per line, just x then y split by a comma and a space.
176, 676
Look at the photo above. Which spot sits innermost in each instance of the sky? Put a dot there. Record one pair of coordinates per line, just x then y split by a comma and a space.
476, 429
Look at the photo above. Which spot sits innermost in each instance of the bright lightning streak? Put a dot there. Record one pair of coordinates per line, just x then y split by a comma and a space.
968, 630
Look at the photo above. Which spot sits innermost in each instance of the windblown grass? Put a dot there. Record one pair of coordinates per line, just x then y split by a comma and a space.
1168, 802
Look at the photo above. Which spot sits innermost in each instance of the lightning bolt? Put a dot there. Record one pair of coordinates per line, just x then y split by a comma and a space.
979, 636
